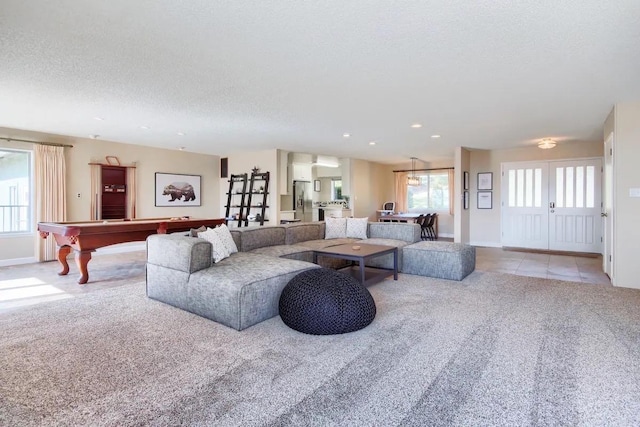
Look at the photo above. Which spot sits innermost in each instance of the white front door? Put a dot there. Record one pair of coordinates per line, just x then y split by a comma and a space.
552, 205
524, 205
575, 198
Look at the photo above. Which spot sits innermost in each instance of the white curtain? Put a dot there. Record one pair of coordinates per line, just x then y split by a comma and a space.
401, 191
50, 195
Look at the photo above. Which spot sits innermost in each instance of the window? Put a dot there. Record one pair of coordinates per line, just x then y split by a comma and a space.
431, 195
336, 189
15, 191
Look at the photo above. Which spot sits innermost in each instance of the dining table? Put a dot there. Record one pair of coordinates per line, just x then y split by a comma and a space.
407, 217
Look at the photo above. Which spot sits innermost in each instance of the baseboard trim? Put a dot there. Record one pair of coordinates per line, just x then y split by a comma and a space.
16, 261
486, 244
550, 252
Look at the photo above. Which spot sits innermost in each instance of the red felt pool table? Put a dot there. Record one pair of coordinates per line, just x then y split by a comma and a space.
87, 236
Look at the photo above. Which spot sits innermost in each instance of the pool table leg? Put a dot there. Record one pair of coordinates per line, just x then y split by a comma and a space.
82, 259
63, 251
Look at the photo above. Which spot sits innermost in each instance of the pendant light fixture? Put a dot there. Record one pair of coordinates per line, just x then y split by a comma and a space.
413, 179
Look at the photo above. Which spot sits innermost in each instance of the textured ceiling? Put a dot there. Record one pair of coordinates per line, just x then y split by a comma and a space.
234, 75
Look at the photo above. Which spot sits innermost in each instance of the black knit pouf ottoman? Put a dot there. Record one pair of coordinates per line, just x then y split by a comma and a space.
324, 302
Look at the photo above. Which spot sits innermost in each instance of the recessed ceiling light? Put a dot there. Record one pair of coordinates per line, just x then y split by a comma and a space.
416, 125
144, 127
435, 136
94, 136
181, 134
346, 135
181, 148
372, 143
99, 118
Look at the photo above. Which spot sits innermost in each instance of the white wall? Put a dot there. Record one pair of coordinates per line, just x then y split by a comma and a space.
484, 224
626, 157
149, 161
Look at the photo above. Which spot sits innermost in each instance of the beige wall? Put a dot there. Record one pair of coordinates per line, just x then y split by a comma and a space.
484, 224
267, 161
149, 161
371, 185
626, 158
461, 216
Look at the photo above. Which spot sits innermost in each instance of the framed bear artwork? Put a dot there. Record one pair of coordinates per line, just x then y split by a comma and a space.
174, 189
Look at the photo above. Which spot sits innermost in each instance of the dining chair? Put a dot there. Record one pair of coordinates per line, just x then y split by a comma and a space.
429, 228
423, 226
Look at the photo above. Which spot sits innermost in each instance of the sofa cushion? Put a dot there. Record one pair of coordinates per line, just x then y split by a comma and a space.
180, 253
324, 243
409, 232
357, 228
258, 237
227, 240
386, 261
194, 231
301, 232
336, 228
243, 289
218, 250
298, 252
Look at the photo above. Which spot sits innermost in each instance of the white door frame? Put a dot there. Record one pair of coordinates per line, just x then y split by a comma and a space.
608, 203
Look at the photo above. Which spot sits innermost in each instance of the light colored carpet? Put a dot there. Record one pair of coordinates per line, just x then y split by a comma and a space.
495, 349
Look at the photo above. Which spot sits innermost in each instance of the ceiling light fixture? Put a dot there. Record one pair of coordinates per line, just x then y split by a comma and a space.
416, 125
435, 136
413, 179
144, 127
181, 133
346, 135
372, 143
99, 119
546, 143
94, 136
326, 161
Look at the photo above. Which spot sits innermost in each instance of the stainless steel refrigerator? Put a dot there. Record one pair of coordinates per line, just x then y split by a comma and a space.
302, 202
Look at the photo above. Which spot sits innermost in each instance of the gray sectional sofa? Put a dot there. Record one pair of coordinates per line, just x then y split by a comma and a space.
245, 288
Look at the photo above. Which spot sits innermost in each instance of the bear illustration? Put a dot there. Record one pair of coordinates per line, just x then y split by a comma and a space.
177, 190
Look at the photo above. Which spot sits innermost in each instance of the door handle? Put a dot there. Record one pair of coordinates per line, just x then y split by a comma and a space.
552, 205
604, 215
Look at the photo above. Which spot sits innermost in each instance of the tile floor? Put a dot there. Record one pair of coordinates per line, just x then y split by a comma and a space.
549, 266
24, 285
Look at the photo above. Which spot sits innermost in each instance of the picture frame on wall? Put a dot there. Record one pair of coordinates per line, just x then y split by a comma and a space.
485, 181
485, 200
465, 200
465, 180
316, 185
177, 190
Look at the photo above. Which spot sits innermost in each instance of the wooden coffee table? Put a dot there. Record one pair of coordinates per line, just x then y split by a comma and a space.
361, 255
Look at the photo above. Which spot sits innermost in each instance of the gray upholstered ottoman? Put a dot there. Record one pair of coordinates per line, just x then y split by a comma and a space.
444, 260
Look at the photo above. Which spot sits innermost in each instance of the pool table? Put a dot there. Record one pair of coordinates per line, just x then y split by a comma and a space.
87, 236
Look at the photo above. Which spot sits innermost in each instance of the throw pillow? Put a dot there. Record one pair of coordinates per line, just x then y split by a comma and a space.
219, 250
227, 239
335, 228
357, 228
194, 231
